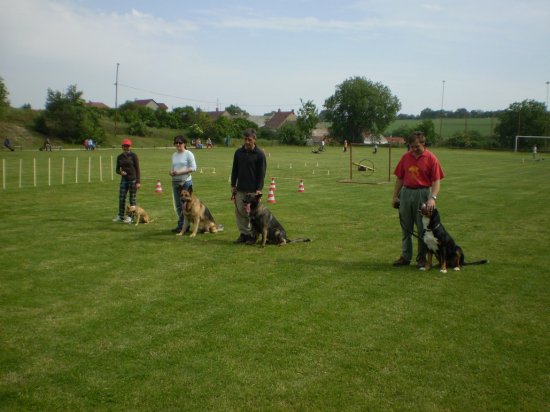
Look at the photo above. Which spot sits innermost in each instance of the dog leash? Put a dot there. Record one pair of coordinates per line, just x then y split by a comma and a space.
405, 229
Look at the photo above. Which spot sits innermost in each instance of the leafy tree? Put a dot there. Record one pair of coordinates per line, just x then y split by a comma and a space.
428, 113
469, 140
428, 128
195, 132
240, 124
527, 118
218, 130
4, 102
185, 116
67, 117
360, 105
307, 119
267, 134
290, 134
137, 128
236, 111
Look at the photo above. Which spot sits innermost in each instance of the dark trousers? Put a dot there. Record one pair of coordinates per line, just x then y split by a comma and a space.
125, 187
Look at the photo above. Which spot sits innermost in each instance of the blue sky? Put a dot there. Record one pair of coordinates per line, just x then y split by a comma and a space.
266, 55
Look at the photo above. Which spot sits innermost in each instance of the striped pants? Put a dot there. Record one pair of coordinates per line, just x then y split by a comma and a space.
125, 187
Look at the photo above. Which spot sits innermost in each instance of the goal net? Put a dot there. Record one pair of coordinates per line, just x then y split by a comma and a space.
518, 138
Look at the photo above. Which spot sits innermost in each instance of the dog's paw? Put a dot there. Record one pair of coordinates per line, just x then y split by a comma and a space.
179, 233
422, 268
443, 270
457, 268
192, 235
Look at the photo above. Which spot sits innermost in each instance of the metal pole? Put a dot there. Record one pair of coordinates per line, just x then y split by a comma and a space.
547, 113
350, 163
389, 163
441, 114
116, 99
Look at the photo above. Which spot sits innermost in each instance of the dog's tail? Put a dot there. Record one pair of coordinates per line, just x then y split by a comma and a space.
477, 262
300, 239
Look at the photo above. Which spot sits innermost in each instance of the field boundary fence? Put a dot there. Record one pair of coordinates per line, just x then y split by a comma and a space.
19, 173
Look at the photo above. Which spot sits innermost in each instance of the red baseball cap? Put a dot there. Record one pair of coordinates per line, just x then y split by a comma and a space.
126, 142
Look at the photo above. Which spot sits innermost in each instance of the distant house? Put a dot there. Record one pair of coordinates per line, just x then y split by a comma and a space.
279, 119
320, 132
97, 105
215, 115
259, 120
151, 104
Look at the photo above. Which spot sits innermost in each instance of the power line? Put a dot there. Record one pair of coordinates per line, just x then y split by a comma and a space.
199, 100
166, 95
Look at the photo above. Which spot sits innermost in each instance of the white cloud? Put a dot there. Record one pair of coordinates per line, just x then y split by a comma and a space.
277, 53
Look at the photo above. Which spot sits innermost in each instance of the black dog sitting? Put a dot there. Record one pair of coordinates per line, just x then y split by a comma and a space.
264, 222
440, 243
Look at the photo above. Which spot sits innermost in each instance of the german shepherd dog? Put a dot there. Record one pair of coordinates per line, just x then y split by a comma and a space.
440, 243
264, 222
138, 214
197, 216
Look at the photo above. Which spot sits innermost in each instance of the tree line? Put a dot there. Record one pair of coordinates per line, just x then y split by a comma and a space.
358, 107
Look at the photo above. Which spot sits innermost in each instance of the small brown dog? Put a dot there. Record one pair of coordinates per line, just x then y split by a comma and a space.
197, 216
138, 214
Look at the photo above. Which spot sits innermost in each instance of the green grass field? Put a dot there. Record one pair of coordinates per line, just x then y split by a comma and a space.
103, 316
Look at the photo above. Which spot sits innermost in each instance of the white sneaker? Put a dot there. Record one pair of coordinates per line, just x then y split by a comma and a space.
118, 219
127, 219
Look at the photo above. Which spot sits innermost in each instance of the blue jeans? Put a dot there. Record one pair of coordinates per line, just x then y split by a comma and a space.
125, 187
176, 186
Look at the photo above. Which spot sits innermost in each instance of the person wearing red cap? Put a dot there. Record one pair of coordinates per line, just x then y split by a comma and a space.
127, 166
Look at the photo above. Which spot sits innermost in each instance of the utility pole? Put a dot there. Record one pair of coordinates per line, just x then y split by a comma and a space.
547, 113
116, 99
441, 113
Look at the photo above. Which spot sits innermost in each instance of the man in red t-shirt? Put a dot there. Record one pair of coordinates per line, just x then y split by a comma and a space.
418, 181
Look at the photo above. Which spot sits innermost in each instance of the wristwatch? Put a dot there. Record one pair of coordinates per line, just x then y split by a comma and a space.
434, 197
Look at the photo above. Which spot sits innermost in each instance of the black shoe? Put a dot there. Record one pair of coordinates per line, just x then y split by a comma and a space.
241, 239
402, 262
250, 241
176, 230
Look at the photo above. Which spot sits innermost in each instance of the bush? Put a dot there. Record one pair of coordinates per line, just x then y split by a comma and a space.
137, 128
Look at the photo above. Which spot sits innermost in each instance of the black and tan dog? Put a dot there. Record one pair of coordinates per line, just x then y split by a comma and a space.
264, 222
197, 216
440, 243
138, 214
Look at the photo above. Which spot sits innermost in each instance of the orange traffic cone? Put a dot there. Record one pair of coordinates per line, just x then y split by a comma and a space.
272, 186
301, 187
271, 197
158, 189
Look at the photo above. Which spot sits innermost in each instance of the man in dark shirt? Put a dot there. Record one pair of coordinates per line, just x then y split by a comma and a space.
247, 176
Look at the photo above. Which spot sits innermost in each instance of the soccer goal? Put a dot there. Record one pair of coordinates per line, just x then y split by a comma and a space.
527, 137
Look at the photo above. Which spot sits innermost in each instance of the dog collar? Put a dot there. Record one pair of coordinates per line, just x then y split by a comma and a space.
439, 224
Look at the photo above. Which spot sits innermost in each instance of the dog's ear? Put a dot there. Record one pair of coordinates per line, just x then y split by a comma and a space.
258, 196
190, 189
